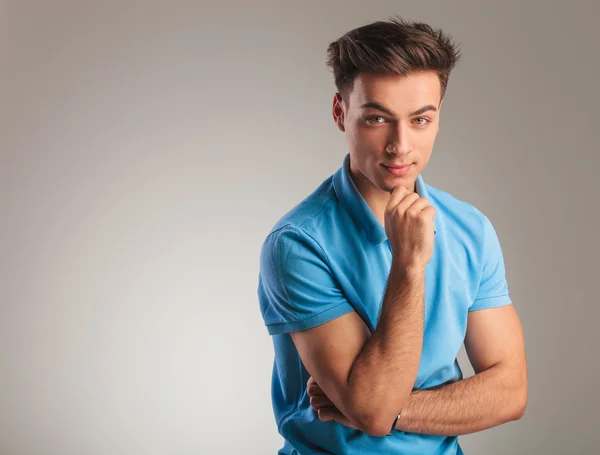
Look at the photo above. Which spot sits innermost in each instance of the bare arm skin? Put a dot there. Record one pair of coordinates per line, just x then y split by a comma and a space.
496, 394
369, 377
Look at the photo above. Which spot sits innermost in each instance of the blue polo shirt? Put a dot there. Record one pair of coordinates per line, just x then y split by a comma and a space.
330, 255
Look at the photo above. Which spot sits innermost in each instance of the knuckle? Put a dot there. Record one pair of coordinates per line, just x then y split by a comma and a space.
423, 214
426, 215
413, 211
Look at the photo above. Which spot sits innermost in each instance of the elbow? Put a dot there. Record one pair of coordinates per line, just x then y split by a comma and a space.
374, 426
377, 423
374, 413
520, 404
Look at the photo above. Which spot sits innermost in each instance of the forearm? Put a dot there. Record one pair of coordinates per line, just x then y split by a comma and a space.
382, 376
488, 399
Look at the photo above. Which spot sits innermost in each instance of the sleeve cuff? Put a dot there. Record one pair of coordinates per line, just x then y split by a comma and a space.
490, 302
312, 321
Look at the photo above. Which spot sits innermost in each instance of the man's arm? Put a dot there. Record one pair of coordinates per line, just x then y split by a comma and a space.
496, 394
370, 378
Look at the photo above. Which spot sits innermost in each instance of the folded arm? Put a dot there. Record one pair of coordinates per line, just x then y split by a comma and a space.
496, 394
370, 376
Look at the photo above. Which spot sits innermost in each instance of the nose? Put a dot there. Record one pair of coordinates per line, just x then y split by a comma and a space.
399, 142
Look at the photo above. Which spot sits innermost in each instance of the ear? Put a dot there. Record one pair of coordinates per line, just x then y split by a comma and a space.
338, 111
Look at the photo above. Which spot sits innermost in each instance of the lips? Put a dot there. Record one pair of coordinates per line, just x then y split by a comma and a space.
397, 166
398, 170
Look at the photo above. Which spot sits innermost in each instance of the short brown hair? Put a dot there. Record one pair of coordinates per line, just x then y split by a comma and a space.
396, 46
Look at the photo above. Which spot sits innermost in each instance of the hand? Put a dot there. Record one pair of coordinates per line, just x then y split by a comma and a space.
409, 227
325, 409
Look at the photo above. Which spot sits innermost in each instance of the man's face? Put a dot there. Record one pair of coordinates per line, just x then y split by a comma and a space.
389, 120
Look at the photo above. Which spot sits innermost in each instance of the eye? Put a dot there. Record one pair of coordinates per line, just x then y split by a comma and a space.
375, 119
425, 121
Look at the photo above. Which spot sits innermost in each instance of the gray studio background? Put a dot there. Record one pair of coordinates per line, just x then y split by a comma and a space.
146, 149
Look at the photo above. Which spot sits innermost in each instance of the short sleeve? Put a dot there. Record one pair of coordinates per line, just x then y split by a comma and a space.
493, 288
296, 288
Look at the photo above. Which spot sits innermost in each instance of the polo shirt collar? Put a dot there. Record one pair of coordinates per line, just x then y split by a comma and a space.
355, 204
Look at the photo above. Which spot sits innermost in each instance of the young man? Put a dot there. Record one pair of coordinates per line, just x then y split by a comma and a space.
370, 286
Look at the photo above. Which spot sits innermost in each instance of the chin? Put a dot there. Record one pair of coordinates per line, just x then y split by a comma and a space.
386, 185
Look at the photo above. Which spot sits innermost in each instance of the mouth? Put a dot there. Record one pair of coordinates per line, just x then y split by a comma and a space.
398, 170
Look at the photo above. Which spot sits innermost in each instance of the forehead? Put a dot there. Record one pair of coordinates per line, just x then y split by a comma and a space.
400, 93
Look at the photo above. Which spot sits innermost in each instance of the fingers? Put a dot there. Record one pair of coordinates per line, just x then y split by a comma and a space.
320, 401
402, 200
323, 406
314, 389
429, 212
413, 206
397, 195
417, 207
326, 414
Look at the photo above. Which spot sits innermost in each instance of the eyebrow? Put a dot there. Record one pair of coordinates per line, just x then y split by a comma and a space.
429, 107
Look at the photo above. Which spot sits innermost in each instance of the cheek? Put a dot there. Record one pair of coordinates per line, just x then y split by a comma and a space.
357, 137
426, 139
373, 138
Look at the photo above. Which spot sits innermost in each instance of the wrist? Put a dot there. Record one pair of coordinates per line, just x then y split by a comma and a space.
410, 273
395, 422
